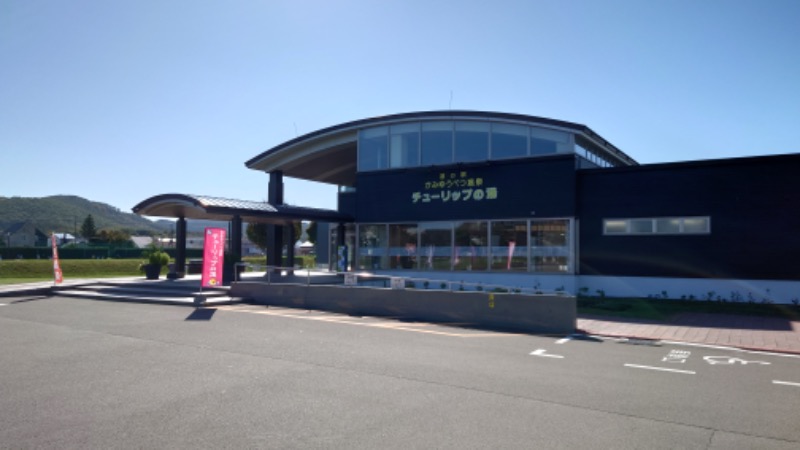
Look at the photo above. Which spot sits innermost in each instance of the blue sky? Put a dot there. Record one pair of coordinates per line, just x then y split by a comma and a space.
117, 101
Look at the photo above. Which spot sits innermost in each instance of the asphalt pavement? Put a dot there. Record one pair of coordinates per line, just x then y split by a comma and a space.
80, 373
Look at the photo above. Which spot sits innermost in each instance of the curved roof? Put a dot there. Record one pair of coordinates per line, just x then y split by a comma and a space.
329, 155
217, 208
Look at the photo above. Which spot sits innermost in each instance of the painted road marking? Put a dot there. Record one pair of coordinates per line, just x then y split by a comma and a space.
541, 352
663, 369
732, 349
785, 383
565, 340
677, 356
726, 360
347, 320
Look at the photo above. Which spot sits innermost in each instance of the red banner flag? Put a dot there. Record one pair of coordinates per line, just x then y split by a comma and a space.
511, 246
213, 255
57, 274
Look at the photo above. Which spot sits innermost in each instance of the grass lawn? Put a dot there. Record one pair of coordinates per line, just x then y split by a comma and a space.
30, 270
664, 310
23, 280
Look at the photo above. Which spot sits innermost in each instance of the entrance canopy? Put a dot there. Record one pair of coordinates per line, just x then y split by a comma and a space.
203, 207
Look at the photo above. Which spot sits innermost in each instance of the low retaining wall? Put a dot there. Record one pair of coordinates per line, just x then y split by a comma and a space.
526, 313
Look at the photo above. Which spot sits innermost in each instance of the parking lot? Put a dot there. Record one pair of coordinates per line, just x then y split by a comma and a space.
92, 374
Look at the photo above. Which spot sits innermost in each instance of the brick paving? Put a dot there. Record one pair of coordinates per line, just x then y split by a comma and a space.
751, 333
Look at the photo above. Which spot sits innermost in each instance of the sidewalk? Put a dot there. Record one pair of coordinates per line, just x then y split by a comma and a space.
745, 332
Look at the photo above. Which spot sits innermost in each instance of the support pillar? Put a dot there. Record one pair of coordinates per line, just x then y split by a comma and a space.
275, 232
179, 270
290, 247
236, 244
341, 239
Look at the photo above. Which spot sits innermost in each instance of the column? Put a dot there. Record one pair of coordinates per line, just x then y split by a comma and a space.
275, 232
290, 247
180, 249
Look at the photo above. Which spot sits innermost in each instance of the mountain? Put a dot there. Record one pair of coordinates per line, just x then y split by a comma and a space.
66, 213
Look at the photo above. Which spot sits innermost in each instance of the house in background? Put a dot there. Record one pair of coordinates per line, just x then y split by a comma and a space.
65, 238
24, 234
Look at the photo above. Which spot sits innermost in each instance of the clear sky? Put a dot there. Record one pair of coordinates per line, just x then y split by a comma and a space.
117, 101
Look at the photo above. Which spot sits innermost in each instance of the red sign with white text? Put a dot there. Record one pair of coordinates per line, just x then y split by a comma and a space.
213, 255
57, 274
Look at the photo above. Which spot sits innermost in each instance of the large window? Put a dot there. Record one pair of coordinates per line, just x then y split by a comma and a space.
509, 141
657, 225
510, 246
472, 141
471, 250
404, 145
403, 246
550, 246
436, 245
505, 246
444, 142
372, 149
437, 143
372, 247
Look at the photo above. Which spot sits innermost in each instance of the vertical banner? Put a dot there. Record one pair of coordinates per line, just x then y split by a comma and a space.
58, 276
213, 256
511, 246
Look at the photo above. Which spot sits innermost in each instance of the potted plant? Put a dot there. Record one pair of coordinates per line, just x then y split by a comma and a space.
156, 259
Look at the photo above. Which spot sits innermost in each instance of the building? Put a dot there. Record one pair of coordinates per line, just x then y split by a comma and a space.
525, 201
24, 234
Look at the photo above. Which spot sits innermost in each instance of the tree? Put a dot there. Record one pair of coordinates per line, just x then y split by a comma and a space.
88, 229
116, 237
311, 231
257, 233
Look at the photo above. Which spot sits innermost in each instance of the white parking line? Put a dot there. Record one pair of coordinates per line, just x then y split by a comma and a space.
663, 369
786, 383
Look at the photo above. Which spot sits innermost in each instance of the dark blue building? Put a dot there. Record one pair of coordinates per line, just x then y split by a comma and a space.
521, 200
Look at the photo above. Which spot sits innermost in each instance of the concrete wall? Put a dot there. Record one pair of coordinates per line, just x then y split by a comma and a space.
526, 313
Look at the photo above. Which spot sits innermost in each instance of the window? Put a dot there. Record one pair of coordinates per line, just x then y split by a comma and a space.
550, 246
437, 143
668, 226
696, 225
509, 141
403, 246
470, 251
436, 245
372, 149
659, 225
509, 246
371, 247
546, 142
404, 145
472, 141
640, 226
615, 226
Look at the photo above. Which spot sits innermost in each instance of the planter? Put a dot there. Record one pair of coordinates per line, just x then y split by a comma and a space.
152, 271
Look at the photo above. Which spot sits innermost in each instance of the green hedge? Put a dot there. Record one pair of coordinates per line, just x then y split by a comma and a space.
88, 252
72, 268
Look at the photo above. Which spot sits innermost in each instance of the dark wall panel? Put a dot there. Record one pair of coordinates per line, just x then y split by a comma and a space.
752, 202
539, 188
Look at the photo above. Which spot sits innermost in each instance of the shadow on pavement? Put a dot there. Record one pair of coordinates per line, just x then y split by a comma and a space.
201, 314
